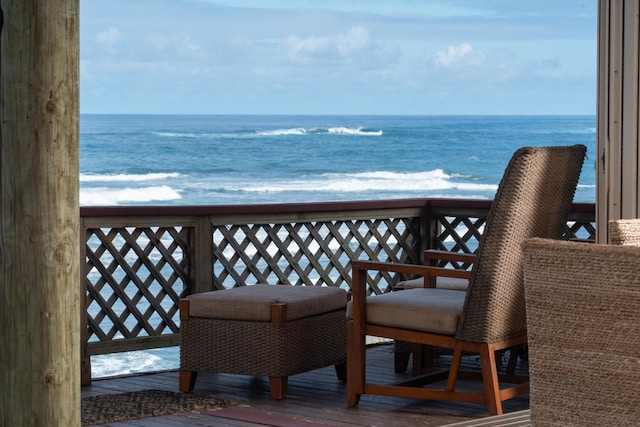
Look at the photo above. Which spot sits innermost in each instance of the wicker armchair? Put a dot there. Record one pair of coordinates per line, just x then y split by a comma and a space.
583, 317
533, 200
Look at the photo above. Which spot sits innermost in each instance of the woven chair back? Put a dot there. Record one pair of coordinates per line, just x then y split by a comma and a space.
534, 199
624, 232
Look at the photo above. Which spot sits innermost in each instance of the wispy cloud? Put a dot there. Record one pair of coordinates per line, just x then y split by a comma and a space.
344, 45
459, 55
108, 38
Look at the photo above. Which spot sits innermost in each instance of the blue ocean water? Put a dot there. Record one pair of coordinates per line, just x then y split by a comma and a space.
199, 160
196, 160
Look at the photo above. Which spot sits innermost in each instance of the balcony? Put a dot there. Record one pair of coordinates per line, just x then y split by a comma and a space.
139, 261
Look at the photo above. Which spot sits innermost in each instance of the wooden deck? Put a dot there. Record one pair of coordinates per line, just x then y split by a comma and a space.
314, 399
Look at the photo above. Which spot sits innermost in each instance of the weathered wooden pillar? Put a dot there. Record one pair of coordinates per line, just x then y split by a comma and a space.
39, 215
618, 145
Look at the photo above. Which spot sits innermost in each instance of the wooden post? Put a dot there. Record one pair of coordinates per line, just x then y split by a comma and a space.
39, 214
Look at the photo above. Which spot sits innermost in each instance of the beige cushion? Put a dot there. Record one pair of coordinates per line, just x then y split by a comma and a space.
452, 283
421, 309
254, 302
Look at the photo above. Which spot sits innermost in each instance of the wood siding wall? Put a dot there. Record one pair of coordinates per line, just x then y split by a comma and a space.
618, 158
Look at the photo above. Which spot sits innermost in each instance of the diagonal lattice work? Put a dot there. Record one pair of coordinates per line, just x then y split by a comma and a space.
458, 234
463, 234
135, 278
311, 253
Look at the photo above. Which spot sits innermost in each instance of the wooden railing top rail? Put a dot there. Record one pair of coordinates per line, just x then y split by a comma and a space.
299, 208
107, 211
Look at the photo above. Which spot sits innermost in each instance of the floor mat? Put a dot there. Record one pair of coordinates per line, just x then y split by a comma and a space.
144, 403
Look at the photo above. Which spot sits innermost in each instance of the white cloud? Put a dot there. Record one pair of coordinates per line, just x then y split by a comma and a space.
180, 45
355, 39
299, 50
303, 50
460, 55
108, 37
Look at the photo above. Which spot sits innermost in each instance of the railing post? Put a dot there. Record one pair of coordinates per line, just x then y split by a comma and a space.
85, 360
203, 255
428, 230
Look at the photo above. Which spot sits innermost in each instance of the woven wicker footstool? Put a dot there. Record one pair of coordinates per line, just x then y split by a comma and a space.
263, 330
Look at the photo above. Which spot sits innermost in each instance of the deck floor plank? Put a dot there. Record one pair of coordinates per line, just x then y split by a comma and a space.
316, 398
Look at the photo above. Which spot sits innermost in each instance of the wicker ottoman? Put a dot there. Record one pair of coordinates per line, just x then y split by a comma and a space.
263, 330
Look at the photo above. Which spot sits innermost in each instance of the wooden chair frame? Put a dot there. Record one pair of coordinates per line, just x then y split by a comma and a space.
492, 395
422, 355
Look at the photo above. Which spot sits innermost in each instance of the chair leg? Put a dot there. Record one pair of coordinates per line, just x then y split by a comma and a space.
355, 365
341, 371
423, 356
187, 380
513, 359
278, 387
418, 358
456, 361
401, 361
490, 379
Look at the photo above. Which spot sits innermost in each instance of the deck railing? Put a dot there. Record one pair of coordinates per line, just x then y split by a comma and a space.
139, 261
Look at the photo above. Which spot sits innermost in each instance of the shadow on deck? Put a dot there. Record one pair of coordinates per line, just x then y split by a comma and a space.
314, 399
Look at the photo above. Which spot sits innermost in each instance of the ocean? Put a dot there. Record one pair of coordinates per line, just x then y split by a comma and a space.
220, 160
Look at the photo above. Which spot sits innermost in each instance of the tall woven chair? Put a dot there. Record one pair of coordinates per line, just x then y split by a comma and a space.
583, 316
624, 232
533, 200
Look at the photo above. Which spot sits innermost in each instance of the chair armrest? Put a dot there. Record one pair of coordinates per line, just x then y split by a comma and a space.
431, 255
361, 267
417, 270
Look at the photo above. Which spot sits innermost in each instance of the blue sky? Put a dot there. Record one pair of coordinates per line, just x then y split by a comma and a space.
338, 56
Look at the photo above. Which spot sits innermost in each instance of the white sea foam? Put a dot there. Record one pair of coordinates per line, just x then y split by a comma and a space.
278, 132
274, 132
436, 180
105, 196
125, 177
203, 135
178, 134
134, 361
332, 130
357, 131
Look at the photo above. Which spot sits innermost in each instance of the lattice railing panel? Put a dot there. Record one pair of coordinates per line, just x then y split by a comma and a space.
458, 234
309, 253
136, 276
136, 272
463, 233
582, 230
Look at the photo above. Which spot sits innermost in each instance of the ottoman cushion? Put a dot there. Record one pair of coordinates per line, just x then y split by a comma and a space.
254, 302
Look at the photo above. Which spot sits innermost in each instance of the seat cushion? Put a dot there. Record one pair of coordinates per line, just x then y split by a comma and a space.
421, 309
452, 283
254, 302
